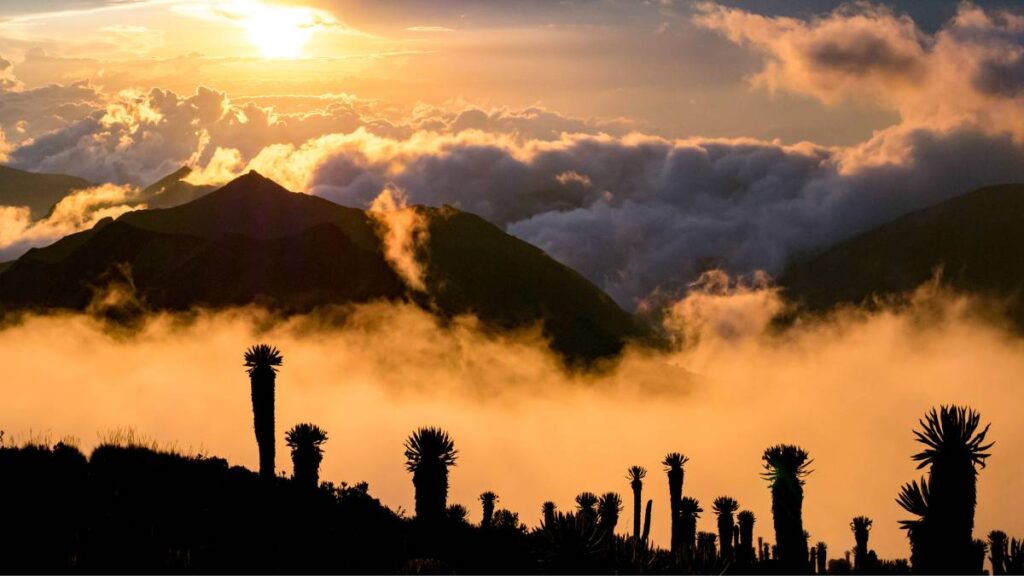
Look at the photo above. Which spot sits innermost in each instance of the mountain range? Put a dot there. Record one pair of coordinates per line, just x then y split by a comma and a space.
252, 241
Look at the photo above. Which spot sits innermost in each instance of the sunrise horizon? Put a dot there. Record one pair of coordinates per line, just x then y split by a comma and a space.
596, 286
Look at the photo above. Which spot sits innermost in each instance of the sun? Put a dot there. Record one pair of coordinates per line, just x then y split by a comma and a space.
280, 32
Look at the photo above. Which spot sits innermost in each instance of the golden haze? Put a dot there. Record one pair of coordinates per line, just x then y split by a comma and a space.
848, 390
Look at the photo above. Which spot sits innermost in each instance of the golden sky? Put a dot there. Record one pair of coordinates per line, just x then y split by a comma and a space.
635, 141
645, 61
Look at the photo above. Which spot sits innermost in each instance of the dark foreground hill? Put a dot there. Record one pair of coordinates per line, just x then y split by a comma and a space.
128, 509
974, 243
254, 242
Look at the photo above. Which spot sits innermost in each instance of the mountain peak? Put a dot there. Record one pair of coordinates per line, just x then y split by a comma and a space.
252, 192
253, 181
251, 176
255, 206
180, 173
170, 179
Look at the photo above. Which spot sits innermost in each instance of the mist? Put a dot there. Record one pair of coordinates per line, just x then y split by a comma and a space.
848, 387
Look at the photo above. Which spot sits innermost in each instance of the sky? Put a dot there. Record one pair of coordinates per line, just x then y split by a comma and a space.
642, 143
643, 61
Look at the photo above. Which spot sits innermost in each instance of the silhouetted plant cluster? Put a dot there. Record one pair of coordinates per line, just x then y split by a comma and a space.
134, 507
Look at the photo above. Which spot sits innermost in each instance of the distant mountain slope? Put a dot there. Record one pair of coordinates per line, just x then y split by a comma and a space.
37, 191
173, 190
976, 240
475, 267
40, 192
255, 242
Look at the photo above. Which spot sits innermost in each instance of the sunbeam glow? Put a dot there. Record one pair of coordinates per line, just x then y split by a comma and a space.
277, 31
280, 32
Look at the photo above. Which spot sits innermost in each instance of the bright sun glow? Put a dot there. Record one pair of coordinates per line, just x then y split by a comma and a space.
279, 31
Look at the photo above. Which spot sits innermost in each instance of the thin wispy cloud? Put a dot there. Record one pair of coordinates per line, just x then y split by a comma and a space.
17, 11
429, 29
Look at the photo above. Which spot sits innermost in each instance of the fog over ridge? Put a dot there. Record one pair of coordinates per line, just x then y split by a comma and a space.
848, 387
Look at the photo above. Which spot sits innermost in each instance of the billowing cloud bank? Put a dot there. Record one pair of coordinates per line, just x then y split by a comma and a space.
967, 73
635, 213
848, 389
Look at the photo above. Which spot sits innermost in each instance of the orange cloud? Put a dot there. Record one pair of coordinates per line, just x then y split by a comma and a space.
969, 74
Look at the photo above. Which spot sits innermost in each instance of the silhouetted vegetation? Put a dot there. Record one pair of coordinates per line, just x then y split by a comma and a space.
674, 463
488, 499
636, 484
689, 513
786, 466
306, 440
131, 506
861, 527
745, 555
261, 361
725, 508
941, 538
428, 454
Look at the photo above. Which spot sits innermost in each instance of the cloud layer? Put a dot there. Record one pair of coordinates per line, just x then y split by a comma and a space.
635, 213
968, 73
848, 389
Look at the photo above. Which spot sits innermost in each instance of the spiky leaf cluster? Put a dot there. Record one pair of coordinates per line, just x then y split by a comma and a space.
786, 460
949, 433
429, 445
674, 461
262, 357
306, 436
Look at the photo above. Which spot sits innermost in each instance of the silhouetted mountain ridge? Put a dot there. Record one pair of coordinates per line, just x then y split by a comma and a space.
257, 207
252, 241
975, 243
173, 190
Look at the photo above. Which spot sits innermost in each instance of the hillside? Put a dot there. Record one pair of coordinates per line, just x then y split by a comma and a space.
976, 242
37, 191
132, 509
255, 242
474, 267
40, 192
